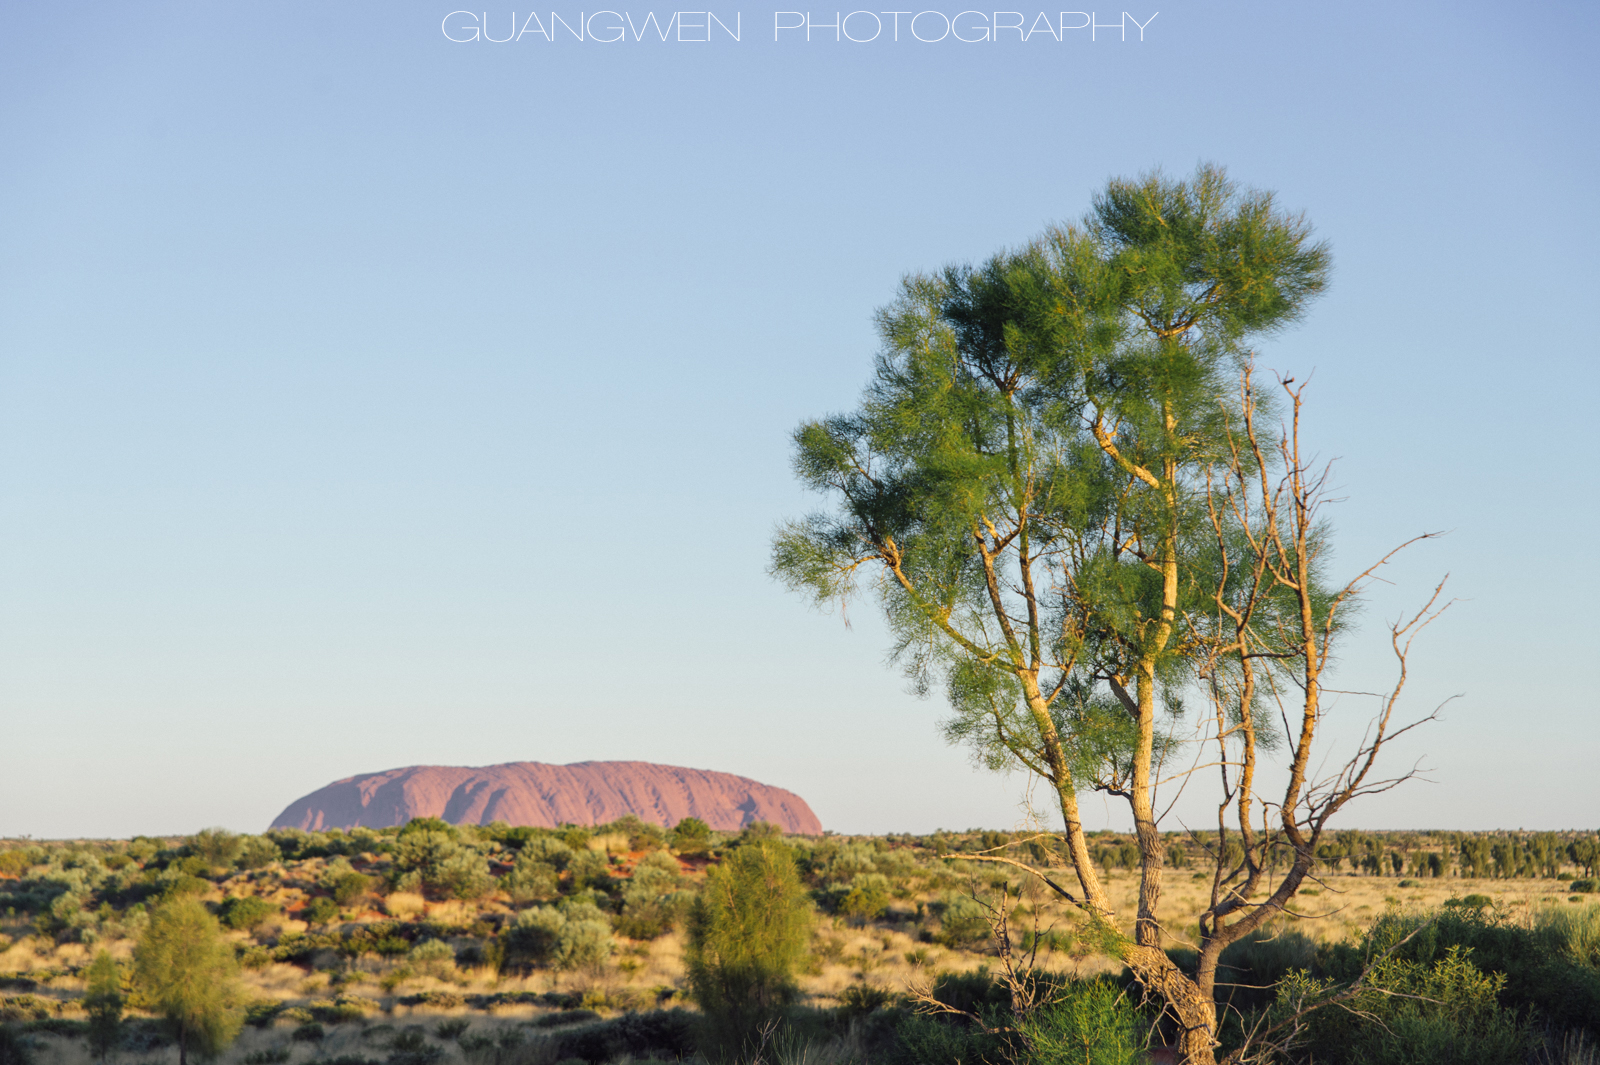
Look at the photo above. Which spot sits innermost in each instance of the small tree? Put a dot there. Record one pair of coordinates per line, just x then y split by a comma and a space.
748, 930
691, 836
103, 1001
187, 973
1063, 487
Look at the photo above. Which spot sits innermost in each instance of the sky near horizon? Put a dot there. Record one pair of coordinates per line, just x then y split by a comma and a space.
370, 399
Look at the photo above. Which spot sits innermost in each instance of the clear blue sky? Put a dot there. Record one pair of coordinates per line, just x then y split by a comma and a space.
368, 399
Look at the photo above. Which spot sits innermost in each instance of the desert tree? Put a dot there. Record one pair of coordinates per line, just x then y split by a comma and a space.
748, 930
103, 1001
186, 972
1060, 487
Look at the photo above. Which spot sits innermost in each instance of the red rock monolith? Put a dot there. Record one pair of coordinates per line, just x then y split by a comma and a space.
534, 793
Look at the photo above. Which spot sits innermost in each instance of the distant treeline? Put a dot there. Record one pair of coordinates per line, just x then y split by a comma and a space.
1565, 855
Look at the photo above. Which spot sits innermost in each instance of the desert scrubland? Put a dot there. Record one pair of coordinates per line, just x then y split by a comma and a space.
515, 946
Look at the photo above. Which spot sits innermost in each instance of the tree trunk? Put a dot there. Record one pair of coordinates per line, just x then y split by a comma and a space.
183, 1045
1196, 1012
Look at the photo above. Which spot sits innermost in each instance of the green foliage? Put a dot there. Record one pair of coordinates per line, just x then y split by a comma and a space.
1087, 1022
868, 897
351, 887
216, 847
546, 850
1249, 968
748, 930
1410, 1013
574, 935
243, 913
963, 922
975, 453
433, 957
650, 901
530, 880
1573, 932
102, 1001
186, 972
454, 1028
431, 855
322, 910
433, 825
691, 836
14, 1047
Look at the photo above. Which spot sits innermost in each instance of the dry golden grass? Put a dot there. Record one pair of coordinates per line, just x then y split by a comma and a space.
891, 953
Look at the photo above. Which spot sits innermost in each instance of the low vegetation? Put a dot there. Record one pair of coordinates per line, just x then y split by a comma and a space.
494, 945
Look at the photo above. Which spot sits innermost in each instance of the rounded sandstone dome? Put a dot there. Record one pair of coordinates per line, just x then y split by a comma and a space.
535, 793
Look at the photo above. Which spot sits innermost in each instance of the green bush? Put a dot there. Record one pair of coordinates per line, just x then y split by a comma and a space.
1446, 1013
691, 836
454, 1028
433, 957
868, 897
1573, 933
1088, 1022
321, 911
256, 852
748, 931
963, 922
546, 849
351, 887
530, 880
14, 1048
243, 914
216, 847
1249, 969
571, 936
103, 1000
1582, 887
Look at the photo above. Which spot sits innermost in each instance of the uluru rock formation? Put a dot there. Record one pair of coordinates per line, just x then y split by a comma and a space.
534, 793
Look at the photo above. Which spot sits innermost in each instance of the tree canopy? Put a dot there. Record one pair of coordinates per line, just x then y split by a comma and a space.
185, 971
1058, 488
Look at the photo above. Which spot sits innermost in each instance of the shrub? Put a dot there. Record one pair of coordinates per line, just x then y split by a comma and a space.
350, 888
963, 922
546, 849
1582, 887
572, 936
868, 897
1416, 1014
217, 847
186, 972
454, 1028
1249, 969
562, 1017
14, 1049
103, 1000
1087, 1021
748, 930
530, 880
321, 911
588, 869
244, 913
433, 957
185, 886
691, 836
255, 852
